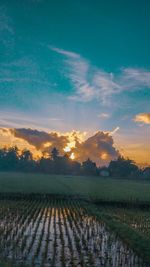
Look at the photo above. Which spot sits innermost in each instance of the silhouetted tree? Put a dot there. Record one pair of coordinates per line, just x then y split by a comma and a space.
45, 165
89, 167
54, 153
26, 155
3, 162
75, 168
65, 164
146, 172
122, 167
12, 158
26, 161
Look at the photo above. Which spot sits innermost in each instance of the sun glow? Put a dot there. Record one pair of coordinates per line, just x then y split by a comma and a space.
70, 145
104, 156
67, 149
72, 156
47, 144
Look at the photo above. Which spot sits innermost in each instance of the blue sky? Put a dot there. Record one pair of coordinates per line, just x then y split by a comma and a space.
82, 65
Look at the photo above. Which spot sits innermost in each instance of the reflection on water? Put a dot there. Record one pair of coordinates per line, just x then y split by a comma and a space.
59, 233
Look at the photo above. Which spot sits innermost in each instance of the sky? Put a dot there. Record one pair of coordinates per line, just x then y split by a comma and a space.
79, 65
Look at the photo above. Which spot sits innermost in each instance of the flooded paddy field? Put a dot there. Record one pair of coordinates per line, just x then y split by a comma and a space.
137, 219
59, 233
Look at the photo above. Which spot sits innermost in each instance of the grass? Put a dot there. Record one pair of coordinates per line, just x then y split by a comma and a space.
96, 188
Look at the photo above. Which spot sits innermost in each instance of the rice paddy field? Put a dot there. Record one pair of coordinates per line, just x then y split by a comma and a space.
59, 233
137, 219
61, 221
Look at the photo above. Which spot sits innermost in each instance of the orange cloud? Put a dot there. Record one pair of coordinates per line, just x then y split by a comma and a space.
143, 117
99, 147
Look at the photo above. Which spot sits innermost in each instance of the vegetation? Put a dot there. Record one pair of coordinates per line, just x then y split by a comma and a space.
12, 159
137, 219
131, 236
93, 188
56, 232
57, 212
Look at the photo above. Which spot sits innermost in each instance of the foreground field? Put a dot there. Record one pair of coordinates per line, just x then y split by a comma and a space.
68, 221
90, 187
59, 233
137, 219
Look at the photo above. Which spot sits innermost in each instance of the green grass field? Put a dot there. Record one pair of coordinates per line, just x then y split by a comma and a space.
89, 187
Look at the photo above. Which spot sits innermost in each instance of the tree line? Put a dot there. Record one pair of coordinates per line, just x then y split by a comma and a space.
11, 159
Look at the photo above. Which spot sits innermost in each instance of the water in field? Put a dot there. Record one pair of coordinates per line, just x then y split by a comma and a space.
59, 233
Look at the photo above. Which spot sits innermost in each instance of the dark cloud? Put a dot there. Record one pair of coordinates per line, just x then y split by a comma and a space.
99, 147
41, 140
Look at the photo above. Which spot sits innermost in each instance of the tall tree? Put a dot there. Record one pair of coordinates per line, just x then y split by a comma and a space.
89, 167
54, 153
122, 167
26, 161
12, 158
26, 155
3, 162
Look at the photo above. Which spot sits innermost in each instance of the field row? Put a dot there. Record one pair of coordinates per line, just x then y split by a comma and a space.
59, 233
137, 219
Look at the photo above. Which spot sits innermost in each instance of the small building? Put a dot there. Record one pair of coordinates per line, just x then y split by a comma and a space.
146, 172
104, 172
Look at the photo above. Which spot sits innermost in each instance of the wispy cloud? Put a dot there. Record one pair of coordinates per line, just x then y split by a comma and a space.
5, 21
103, 115
135, 78
24, 80
6, 29
24, 71
17, 120
64, 52
92, 83
115, 130
143, 118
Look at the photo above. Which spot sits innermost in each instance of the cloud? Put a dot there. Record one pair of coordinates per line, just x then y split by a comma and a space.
5, 132
91, 83
23, 84
27, 72
134, 78
6, 29
143, 117
40, 138
5, 22
64, 52
115, 130
13, 119
104, 115
99, 147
